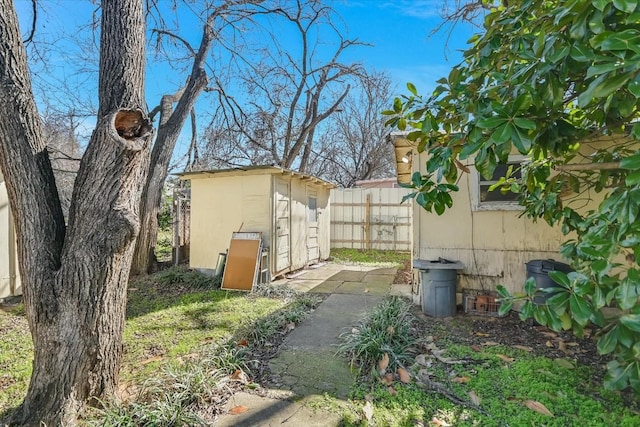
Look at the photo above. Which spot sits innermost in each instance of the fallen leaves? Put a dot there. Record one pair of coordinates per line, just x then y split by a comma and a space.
523, 348
474, 398
564, 363
387, 379
534, 405
367, 411
438, 422
383, 364
505, 358
237, 410
151, 359
240, 375
404, 375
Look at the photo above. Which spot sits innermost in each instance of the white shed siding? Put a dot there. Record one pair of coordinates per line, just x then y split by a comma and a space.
223, 205
9, 276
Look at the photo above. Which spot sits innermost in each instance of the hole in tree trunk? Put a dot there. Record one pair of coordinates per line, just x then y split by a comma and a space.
132, 124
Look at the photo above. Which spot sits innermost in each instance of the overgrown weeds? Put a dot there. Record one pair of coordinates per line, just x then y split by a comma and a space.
388, 329
187, 395
192, 393
186, 277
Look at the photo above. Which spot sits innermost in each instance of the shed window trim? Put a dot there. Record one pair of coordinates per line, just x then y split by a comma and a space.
504, 205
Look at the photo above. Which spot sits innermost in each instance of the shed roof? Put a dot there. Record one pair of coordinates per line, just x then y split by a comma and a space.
254, 170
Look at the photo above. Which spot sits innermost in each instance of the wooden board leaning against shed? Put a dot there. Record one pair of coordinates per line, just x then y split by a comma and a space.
243, 259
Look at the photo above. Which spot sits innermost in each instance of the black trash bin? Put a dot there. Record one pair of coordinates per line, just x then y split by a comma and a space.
539, 269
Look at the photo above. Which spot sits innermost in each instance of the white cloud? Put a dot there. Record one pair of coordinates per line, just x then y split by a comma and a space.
421, 9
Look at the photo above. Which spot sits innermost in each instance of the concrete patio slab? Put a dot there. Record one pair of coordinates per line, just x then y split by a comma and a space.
326, 287
379, 278
307, 371
389, 270
304, 285
307, 366
361, 288
349, 276
319, 274
401, 290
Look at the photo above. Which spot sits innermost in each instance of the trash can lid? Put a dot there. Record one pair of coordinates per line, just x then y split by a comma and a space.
544, 265
439, 264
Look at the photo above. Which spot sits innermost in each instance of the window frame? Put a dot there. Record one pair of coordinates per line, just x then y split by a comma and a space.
477, 180
313, 211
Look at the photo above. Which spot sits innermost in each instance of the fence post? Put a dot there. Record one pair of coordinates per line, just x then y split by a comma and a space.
176, 228
367, 221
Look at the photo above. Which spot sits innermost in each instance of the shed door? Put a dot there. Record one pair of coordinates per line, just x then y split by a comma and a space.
282, 217
313, 248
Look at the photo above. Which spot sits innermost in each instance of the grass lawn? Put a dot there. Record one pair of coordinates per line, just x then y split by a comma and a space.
187, 343
170, 316
359, 256
468, 371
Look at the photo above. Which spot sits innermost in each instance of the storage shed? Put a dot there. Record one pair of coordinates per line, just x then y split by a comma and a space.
9, 276
290, 209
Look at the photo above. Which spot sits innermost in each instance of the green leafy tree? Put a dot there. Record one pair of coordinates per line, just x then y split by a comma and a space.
545, 79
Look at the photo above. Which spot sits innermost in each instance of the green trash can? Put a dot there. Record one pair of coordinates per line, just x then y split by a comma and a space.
439, 280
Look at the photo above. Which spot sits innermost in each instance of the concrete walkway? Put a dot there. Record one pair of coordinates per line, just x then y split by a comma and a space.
307, 366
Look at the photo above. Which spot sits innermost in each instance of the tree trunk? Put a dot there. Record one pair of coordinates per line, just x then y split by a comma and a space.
169, 127
75, 282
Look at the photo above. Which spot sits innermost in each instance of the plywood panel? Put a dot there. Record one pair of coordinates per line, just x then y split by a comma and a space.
242, 261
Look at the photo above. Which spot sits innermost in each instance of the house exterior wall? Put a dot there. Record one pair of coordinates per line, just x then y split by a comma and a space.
9, 275
223, 205
494, 245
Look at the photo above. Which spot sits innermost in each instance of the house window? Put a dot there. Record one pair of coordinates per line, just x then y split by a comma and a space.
313, 209
484, 199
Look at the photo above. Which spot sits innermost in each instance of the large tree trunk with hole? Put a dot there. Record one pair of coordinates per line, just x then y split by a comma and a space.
75, 279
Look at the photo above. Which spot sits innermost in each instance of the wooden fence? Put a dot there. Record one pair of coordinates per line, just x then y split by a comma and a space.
371, 218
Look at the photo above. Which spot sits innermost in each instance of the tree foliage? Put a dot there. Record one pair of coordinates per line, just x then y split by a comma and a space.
558, 82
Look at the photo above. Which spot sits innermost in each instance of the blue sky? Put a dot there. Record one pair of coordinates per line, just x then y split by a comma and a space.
402, 45
399, 32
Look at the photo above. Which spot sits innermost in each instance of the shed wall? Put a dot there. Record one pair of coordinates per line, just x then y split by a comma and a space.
9, 276
302, 239
223, 205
